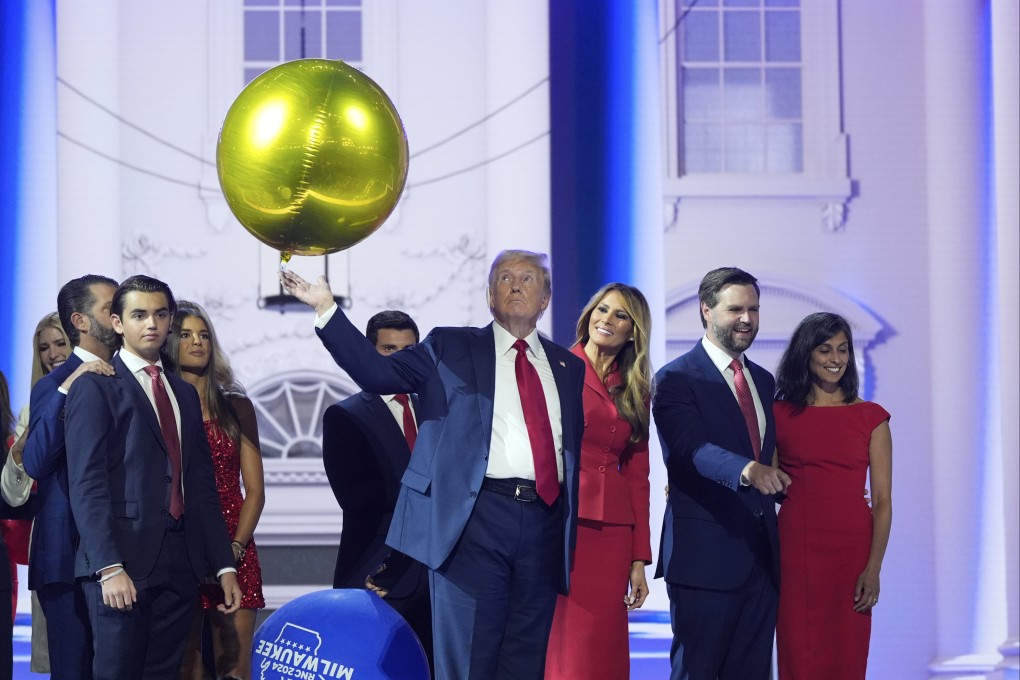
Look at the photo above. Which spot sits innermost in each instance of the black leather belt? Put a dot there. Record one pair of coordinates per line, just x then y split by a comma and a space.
174, 525
522, 490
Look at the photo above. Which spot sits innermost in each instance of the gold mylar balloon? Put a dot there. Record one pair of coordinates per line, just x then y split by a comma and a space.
312, 157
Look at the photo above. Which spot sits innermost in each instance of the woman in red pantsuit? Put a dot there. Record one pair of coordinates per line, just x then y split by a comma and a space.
831, 543
589, 635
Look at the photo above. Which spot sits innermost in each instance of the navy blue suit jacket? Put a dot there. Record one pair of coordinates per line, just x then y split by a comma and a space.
365, 455
453, 372
713, 526
54, 534
119, 477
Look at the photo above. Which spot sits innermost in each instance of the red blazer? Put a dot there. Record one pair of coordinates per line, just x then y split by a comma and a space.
611, 493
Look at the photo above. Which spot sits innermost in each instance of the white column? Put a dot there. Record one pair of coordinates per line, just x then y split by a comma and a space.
88, 185
966, 467
647, 259
517, 186
36, 258
1006, 115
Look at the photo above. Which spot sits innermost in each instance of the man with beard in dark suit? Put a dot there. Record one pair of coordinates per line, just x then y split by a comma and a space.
720, 549
83, 305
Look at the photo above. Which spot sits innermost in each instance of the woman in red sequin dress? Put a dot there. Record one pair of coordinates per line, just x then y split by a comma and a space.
233, 436
589, 637
831, 543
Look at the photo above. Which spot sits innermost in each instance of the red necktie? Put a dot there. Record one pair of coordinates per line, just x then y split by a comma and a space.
536, 418
410, 428
746, 406
168, 425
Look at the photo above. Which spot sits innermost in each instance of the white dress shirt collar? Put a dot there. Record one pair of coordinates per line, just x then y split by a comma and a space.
85, 355
720, 358
135, 363
505, 341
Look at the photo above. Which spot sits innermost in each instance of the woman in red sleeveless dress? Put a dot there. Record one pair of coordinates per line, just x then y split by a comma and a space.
233, 435
589, 637
831, 542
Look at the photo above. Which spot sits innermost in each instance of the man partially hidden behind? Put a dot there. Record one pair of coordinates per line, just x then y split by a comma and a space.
366, 443
83, 305
489, 498
720, 550
143, 496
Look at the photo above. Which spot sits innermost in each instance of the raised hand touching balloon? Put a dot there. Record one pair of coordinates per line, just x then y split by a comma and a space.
316, 295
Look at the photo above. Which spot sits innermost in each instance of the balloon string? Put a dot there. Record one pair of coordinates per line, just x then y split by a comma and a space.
285, 256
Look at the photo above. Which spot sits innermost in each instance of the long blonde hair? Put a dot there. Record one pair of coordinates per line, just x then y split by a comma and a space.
51, 320
633, 394
221, 382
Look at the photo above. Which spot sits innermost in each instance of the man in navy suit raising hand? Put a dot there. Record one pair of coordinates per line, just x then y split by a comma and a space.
489, 498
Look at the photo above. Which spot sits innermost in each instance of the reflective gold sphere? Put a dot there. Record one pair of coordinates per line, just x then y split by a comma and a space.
312, 157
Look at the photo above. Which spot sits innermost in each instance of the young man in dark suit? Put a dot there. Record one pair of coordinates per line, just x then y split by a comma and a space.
720, 552
366, 443
143, 496
83, 305
489, 498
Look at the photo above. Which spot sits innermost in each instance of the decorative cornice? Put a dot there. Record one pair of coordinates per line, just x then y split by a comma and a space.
834, 216
670, 212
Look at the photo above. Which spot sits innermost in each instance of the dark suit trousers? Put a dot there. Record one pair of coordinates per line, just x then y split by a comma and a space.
148, 640
725, 634
493, 599
67, 629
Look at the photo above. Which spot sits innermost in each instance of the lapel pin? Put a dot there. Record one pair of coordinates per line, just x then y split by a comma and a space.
563, 364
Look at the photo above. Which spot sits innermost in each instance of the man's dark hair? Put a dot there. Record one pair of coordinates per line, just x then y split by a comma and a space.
76, 296
391, 318
142, 284
714, 282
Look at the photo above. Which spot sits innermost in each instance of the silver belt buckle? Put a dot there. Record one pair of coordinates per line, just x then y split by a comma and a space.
517, 494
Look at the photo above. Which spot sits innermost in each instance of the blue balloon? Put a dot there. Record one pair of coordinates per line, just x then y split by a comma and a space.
350, 634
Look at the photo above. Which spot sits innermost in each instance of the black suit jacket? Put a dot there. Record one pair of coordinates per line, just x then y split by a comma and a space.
365, 454
119, 477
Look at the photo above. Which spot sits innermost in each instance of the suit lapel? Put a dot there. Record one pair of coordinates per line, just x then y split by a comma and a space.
483, 360
723, 395
140, 400
381, 418
567, 392
189, 423
591, 378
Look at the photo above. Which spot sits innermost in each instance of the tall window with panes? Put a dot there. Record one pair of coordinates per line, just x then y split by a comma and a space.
739, 86
276, 31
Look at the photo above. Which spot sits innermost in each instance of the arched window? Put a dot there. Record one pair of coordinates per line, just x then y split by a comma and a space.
752, 97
